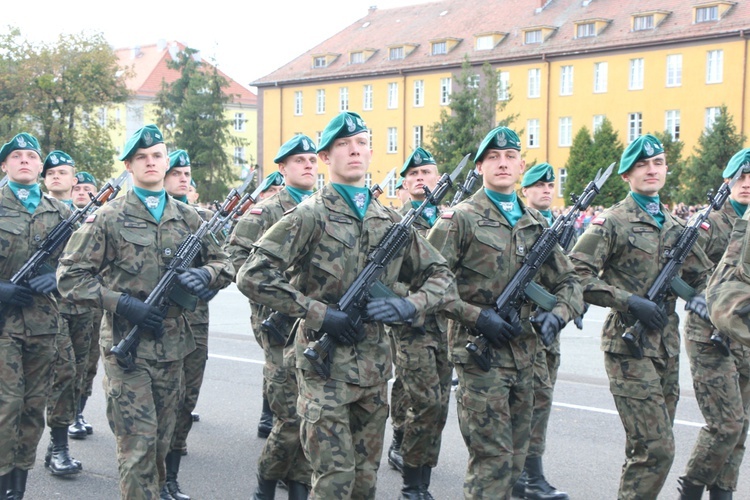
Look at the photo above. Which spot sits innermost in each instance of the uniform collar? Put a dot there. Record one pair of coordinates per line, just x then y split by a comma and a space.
135, 208
335, 203
487, 208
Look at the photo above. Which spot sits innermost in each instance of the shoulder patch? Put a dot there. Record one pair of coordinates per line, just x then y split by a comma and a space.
91, 218
256, 211
599, 221
448, 214
705, 225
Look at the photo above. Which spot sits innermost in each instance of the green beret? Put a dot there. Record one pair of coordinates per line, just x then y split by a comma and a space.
418, 157
55, 159
741, 159
179, 159
192, 183
498, 138
274, 179
399, 183
646, 146
144, 137
346, 124
85, 178
297, 145
542, 172
20, 141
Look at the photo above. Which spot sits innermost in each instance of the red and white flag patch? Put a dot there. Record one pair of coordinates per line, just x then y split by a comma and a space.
256, 211
599, 221
91, 218
705, 225
447, 214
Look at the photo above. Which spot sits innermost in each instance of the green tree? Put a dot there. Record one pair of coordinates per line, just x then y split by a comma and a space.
579, 168
15, 76
670, 193
704, 168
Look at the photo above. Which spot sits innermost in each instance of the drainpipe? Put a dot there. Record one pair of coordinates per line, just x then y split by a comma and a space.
744, 82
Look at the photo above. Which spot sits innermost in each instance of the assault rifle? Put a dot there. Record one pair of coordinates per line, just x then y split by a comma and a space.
3, 181
367, 284
668, 278
466, 188
522, 287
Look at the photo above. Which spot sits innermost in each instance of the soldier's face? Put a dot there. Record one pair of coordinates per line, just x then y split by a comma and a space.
539, 195
647, 176
403, 195
419, 177
192, 194
81, 194
270, 192
500, 169
60, 180
177, 181
741, 190
23, 166
148, 166
348, 159
300, 171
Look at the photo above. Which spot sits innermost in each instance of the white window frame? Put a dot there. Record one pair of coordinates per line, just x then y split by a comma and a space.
586, 30
439, 48
635, 79
601, 74
239, 156
562, 178
320, 62
417, 136
707, 14
532, 135
565, 138
566, 80
418, 93
714, 66
712, 114
368, 180
343, 99
532, 37
635, 126
503, 86
597, 122
395, 53
298, 103
320, 101
391, 188
446, 87
672, 123
486, 42
674, 70
357, 57
367, 97
239, 122
320, 181
534, 87
392, 140
102, 116
643, 23
393, 95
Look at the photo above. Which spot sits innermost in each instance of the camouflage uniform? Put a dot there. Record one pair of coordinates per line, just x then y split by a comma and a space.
323, 246
27, 339
92, 361
282, 457
495, 407
123, 244
619, 255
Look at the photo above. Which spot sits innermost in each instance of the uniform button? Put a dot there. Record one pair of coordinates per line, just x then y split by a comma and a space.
167, 252
37, 238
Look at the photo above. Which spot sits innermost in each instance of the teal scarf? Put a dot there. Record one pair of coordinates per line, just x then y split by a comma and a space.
507, 204
358, 198
28, 194
548, 215
430, 212
182, 198
739, 208
299, 195
154, 201
651, 205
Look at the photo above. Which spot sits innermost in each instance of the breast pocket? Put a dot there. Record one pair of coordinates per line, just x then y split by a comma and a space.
135, 255
485, 255
332, 260
641, 254
10, 235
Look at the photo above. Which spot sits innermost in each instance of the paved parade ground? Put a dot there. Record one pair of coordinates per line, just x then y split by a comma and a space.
585, 443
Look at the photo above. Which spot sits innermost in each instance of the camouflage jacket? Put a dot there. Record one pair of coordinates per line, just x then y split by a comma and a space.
123, 244
485, 252
200, 315
20, 236
619, 255
324, 246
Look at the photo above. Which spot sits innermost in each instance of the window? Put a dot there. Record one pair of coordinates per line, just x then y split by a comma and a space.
367, 98
439, 48
674, 70
369, 137
635, 121
598, 120
712, 114
368, 180
566, 80
239, 122
118, 115
356, 58
503, 86
706, 14
391, 191
562, 177
320, 182
532, 139
672, 123
318, 136
392, 140
535, 78
566, 132
534, 36
396, 53
319, 62
586, 30
392, 95
298, 103
321, 102
641, 23
714, 66
445, 91
636, 74
473, 82
343, 99
485, 42
418, 93
102, 117
239, 156
417, 136
600, 77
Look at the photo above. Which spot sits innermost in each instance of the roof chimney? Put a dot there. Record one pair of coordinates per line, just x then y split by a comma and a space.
372, 8
136, 51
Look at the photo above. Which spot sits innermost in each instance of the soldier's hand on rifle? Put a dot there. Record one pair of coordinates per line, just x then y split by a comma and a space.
139, 313
15, 295
548, 325
498, 331
339, 325
650, 314
196, 280
44, 283
697, 304
391, 310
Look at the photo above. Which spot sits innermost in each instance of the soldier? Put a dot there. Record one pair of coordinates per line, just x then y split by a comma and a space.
721, 380
193, 194
485, 239
323, 244
618, 257
28, 314
126, 244
402, 193
282, 458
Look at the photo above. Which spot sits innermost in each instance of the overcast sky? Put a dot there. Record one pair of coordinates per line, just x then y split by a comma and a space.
247, 39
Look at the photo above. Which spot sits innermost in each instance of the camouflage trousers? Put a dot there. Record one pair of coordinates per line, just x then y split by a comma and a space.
399, 401
25, 369
425, 373
494, 414
646, 392
722, 388
92, 360
73, 345
342, 435
546, 365
142, 410
193, 369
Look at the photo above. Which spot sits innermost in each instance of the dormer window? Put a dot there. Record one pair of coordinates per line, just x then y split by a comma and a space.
485, 42
585, 30
710, 11
320, 62
537, 34
396, 53
488, 41
443, 46
323, 60
641, 23
439, 48
648, 20
356, 58
400, 51
533, 36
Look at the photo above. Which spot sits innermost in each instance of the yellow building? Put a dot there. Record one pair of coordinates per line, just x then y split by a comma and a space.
646, 66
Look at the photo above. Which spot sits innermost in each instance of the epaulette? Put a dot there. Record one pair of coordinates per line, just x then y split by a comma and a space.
599, 221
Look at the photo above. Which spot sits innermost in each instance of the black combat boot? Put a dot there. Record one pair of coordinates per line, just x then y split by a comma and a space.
426, 474
537, 487
716, 493
61, 463
297, 490
394, 452
164, 493
688, 490
412, 489
5, 484
266, 420
266, 489
519, 489
172, 463
17, 484
78, 429
48, 458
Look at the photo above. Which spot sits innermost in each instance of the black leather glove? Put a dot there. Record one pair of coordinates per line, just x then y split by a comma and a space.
44, 283
139, 313
498, 331
651, 315
578, 320
338, 325
548, 325
393, 310
697, 304
196, 280
15, 295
